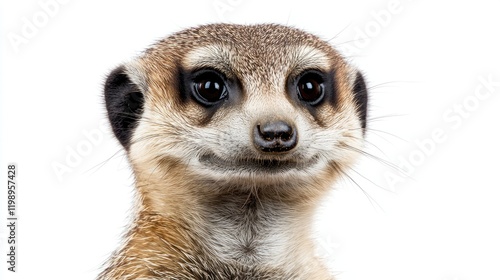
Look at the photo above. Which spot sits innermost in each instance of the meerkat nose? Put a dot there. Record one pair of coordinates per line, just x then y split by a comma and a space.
277, 136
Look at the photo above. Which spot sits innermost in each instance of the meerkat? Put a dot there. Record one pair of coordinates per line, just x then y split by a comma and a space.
234, 134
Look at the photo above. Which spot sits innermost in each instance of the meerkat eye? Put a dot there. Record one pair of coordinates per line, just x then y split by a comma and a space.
209, 88
310, 88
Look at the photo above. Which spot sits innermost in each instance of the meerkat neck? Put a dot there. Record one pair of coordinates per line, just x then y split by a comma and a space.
234, 235
248, 227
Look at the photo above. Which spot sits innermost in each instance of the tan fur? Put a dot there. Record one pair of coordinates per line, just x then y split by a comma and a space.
197, 222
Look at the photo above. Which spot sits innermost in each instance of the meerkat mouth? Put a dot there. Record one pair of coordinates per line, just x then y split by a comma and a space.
256, 165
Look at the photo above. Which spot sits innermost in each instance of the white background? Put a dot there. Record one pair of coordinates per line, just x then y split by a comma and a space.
437, 218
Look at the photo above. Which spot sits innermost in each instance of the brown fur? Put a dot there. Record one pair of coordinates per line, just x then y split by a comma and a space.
197, 224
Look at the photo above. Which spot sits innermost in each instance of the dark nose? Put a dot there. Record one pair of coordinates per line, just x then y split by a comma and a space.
277, 136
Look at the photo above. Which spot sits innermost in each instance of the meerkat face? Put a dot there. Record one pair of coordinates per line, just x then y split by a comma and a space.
258, 105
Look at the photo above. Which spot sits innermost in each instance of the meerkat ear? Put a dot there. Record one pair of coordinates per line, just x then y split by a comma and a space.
124, 103
361, 98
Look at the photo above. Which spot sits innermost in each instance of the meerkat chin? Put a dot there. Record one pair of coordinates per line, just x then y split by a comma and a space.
234, 134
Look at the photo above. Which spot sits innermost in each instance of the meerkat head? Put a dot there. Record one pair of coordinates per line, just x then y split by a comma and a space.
238, 106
